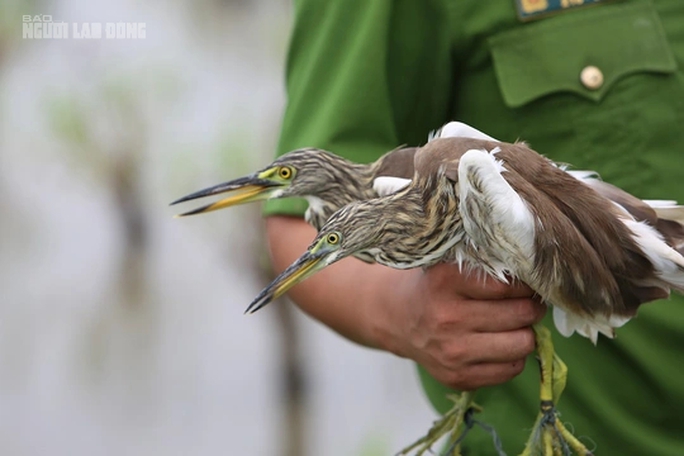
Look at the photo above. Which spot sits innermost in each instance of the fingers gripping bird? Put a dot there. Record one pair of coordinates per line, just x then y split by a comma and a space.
592, 251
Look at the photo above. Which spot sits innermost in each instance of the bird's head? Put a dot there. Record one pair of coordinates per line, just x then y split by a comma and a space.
353, 230
302, 172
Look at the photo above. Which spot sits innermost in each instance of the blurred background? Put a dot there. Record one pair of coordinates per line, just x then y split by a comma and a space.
121, 328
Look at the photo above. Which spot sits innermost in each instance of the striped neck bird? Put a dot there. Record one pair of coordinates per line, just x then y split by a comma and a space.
592, 251
328, 182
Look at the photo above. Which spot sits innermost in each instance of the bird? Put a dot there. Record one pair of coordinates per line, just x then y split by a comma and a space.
590, 250
327, 181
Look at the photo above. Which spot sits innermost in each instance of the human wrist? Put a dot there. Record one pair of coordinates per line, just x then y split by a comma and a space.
384, 309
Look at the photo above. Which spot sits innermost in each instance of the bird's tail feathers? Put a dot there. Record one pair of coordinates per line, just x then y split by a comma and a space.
588, 326
662, 203
667, 262
668, 211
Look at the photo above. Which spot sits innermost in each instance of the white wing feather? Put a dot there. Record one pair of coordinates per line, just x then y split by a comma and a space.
489, 204
386, 185
459, 130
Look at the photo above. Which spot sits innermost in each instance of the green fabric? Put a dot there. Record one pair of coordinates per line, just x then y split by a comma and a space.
632, 41
365, 76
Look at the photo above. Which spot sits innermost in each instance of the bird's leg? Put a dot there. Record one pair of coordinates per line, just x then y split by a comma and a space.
549, 434
451, 422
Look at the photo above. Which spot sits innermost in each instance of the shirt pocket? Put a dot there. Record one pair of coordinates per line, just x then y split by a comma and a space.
583, 53
625, 126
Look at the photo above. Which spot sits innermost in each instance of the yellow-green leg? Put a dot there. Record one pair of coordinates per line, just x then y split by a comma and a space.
549, 435
452, 422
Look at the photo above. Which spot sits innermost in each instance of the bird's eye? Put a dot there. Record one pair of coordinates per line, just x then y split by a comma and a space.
333, 238
285, 172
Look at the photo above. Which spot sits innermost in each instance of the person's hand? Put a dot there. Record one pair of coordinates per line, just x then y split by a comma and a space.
466, 331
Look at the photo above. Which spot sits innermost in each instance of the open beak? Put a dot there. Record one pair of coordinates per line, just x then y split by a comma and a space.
242, 190
308, 264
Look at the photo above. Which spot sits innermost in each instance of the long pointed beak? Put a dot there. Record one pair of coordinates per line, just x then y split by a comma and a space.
308, 264
243, 190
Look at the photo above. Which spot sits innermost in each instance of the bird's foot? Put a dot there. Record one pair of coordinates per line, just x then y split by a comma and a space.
451, 422
550, 437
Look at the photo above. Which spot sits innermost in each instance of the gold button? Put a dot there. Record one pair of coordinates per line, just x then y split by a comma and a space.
591, 77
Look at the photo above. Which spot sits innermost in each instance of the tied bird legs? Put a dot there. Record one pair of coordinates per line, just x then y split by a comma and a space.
506, 209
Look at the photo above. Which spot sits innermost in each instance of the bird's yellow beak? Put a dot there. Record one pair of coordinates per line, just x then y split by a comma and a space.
308, 264
243, 190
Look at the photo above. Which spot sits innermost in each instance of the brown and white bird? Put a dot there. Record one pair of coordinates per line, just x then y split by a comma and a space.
521, 186
327, 181
585, 254
590, 250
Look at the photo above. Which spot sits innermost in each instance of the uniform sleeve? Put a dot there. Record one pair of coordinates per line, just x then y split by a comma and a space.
364, 77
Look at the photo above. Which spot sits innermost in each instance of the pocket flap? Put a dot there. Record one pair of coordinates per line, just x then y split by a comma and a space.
549, 56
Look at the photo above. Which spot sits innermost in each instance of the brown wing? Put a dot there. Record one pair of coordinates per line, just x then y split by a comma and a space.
636, 207
445, 153
397, 163
673, 233
672, 230
566, 265
596, 218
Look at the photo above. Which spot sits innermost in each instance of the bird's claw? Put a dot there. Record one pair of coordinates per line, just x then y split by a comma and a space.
451, 422
550, 437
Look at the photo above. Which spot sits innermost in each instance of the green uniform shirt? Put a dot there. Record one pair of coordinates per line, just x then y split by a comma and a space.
364, 76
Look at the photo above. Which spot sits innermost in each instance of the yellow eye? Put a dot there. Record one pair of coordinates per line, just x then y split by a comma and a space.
333, 238
285, 172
